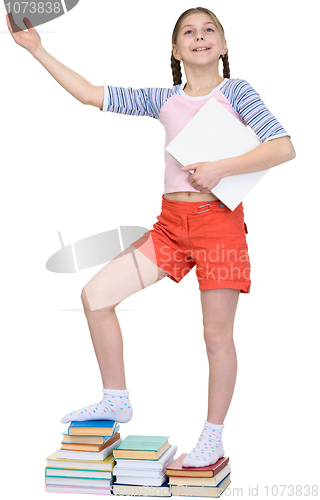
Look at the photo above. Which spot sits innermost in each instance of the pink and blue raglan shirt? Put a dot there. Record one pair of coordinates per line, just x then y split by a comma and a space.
174, 109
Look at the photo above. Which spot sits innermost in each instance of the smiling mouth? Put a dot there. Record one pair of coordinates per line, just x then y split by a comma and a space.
201, 50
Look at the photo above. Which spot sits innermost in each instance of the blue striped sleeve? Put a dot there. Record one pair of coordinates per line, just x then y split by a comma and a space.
255, 113
138, 102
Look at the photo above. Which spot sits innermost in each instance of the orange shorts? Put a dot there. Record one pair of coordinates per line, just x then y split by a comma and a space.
207, 235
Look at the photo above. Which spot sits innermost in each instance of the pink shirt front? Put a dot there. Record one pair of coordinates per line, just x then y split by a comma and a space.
174, 109
175, 114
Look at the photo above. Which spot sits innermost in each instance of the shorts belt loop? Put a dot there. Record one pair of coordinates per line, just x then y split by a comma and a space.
204, 210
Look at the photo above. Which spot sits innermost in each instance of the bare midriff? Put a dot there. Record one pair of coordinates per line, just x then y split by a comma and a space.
190, 196
187, 195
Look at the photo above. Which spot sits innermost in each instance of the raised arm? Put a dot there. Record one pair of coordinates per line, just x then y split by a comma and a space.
75, 84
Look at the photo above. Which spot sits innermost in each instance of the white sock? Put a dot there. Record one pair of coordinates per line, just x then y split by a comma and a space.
209, 448
115, 405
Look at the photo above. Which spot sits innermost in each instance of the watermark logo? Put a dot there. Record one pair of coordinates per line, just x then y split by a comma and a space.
168, 490
37, 12
93, 250
127, 271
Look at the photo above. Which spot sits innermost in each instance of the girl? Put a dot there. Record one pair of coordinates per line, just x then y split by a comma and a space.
194, 227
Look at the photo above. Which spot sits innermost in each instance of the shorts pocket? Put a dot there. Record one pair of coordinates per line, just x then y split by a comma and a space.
235, 219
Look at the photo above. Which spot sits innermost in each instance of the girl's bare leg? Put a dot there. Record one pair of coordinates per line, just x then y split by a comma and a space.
108, 345
219, 308
125, 275
128, 273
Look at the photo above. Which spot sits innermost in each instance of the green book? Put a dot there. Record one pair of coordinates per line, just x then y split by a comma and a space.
142, 447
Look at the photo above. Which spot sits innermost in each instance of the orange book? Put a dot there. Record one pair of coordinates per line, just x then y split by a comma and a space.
90, 447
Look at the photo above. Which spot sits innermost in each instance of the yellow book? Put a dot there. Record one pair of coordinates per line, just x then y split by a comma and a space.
67, 463
83, 439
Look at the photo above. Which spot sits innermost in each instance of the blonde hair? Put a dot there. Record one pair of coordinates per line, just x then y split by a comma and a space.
175, 64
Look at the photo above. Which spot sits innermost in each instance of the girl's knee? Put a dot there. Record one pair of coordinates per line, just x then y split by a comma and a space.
94, 303
83, 296
84, 299
218, 336
85, 302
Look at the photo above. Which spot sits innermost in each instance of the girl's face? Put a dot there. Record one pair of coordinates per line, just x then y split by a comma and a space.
198, 31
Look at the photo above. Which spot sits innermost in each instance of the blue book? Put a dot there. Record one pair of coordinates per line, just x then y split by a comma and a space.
92, 428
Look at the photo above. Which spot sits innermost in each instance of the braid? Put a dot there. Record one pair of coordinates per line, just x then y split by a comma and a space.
176, 70
226, 67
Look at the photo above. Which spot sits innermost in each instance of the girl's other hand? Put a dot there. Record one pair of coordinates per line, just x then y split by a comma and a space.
206, 175
29, 40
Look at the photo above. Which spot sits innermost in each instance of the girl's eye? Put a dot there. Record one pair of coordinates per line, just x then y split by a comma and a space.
190, 31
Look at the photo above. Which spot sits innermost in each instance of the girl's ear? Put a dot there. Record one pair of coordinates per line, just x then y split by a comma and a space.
175, 52
225, 46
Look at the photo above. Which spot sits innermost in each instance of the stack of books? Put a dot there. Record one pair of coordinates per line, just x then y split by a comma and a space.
209, 481
84, 463
141, 466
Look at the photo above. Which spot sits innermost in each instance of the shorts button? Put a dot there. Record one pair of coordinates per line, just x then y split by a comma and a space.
222, 205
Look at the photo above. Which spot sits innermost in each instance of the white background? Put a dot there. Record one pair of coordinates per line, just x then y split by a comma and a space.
71, 168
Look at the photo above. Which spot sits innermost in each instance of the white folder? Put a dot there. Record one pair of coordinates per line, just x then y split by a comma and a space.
214, 133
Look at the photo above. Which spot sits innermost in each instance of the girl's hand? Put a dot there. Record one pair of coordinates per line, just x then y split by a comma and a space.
206, 175
29, 40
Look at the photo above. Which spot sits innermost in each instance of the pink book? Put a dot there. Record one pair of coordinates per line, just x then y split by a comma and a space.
88, 490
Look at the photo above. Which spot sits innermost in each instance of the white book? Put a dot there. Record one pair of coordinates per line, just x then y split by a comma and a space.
213, 134
88, 455
141, 480
163, 461
119, 471
145, 491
